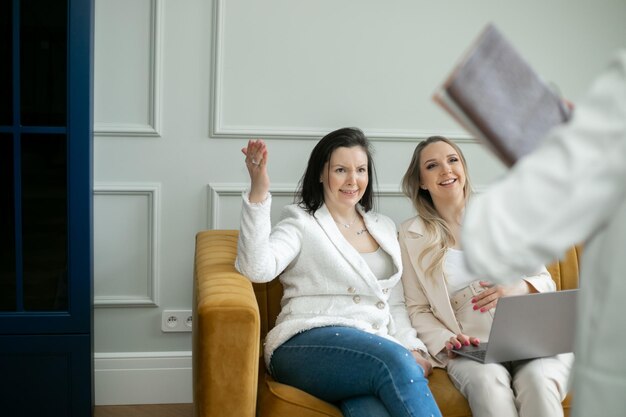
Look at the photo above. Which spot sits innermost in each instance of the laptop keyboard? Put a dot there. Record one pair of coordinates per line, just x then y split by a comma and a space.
479, 354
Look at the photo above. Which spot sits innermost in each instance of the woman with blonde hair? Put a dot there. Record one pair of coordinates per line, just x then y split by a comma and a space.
449, 307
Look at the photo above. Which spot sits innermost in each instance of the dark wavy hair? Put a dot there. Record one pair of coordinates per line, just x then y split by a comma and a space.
310, 193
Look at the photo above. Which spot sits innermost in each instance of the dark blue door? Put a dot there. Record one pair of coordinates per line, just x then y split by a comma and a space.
46, 290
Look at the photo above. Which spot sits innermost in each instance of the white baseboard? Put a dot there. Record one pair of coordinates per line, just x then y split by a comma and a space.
143, 378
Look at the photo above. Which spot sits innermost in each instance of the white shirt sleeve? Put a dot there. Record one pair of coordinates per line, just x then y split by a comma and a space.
264, 252
559, 195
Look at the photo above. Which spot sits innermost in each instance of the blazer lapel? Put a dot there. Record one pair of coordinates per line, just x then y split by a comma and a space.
434, 289
387, 241
351, 255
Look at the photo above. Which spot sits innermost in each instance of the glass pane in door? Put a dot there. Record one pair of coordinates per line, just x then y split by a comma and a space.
44, 222
43, 62
6, 63
7, 226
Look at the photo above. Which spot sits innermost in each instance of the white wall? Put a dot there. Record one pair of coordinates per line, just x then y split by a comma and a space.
180, 85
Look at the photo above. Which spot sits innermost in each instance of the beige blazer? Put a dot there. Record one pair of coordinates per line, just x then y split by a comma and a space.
427, 298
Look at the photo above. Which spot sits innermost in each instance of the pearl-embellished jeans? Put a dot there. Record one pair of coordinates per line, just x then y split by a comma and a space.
365, 374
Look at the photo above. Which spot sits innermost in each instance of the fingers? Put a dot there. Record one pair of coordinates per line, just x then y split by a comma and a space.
427, 366
487, 299
423, 362
463, 339
486, 303
452, 344
256, 153
488, 289
456, 342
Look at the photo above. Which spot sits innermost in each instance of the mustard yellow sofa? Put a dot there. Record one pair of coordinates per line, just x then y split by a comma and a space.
231, 316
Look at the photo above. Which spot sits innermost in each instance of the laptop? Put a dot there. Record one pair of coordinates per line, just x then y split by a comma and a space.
527, 327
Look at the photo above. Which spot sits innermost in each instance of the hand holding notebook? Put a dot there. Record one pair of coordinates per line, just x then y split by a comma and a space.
499, 98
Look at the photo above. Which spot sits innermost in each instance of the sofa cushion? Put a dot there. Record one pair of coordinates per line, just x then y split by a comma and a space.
450, 401
280, 400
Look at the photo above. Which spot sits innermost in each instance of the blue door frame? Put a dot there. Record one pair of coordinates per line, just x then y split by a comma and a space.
58, 342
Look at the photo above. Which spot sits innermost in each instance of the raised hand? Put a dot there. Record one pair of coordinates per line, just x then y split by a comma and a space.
256, 162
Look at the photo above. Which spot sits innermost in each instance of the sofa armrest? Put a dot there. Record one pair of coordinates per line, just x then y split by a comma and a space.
226, 331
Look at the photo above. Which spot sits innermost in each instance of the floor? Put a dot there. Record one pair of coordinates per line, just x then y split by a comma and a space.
145, 410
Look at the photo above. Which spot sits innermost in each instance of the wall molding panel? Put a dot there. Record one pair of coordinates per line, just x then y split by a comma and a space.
216, 193
143, 378
220, 129
153, 125
224, 202
223, 216
132, 210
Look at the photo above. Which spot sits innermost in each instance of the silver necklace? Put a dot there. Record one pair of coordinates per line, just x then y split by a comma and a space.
347, 225
360, 232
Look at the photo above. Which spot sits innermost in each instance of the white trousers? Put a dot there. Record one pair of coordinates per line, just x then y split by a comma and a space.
530, 388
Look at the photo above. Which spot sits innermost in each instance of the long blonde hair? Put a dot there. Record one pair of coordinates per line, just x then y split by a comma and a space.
438, 234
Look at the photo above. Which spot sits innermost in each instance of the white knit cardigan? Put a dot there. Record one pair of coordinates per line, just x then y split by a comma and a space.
326, 281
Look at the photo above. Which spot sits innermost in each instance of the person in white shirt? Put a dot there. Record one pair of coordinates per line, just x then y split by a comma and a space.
343, 332
571, 190
450, 307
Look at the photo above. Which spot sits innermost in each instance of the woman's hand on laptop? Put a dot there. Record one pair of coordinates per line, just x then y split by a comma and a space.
488, 299
458, 341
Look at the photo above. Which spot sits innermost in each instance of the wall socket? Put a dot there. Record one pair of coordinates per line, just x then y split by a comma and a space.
176, 321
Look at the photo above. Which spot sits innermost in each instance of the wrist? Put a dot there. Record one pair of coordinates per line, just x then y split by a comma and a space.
253, 199
420, 352
526, 287
258, 192
257, 197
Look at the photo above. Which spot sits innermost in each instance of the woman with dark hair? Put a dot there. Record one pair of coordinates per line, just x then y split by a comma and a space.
450, 307
343, 333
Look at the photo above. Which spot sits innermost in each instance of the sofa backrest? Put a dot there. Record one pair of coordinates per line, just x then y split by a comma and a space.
268, 296
564, 273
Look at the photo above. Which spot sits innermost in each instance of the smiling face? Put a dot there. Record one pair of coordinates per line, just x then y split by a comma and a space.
442, 172
345, 178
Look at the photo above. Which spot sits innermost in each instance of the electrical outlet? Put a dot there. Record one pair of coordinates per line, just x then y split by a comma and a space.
176, 321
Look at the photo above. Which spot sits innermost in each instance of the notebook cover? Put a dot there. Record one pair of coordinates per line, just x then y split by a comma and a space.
495, 94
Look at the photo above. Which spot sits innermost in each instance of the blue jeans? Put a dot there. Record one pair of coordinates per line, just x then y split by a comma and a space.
365, 374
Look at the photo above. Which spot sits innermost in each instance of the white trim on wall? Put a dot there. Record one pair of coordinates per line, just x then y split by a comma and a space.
218, 129
153, 128
152, 193
143, 378
218, 190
